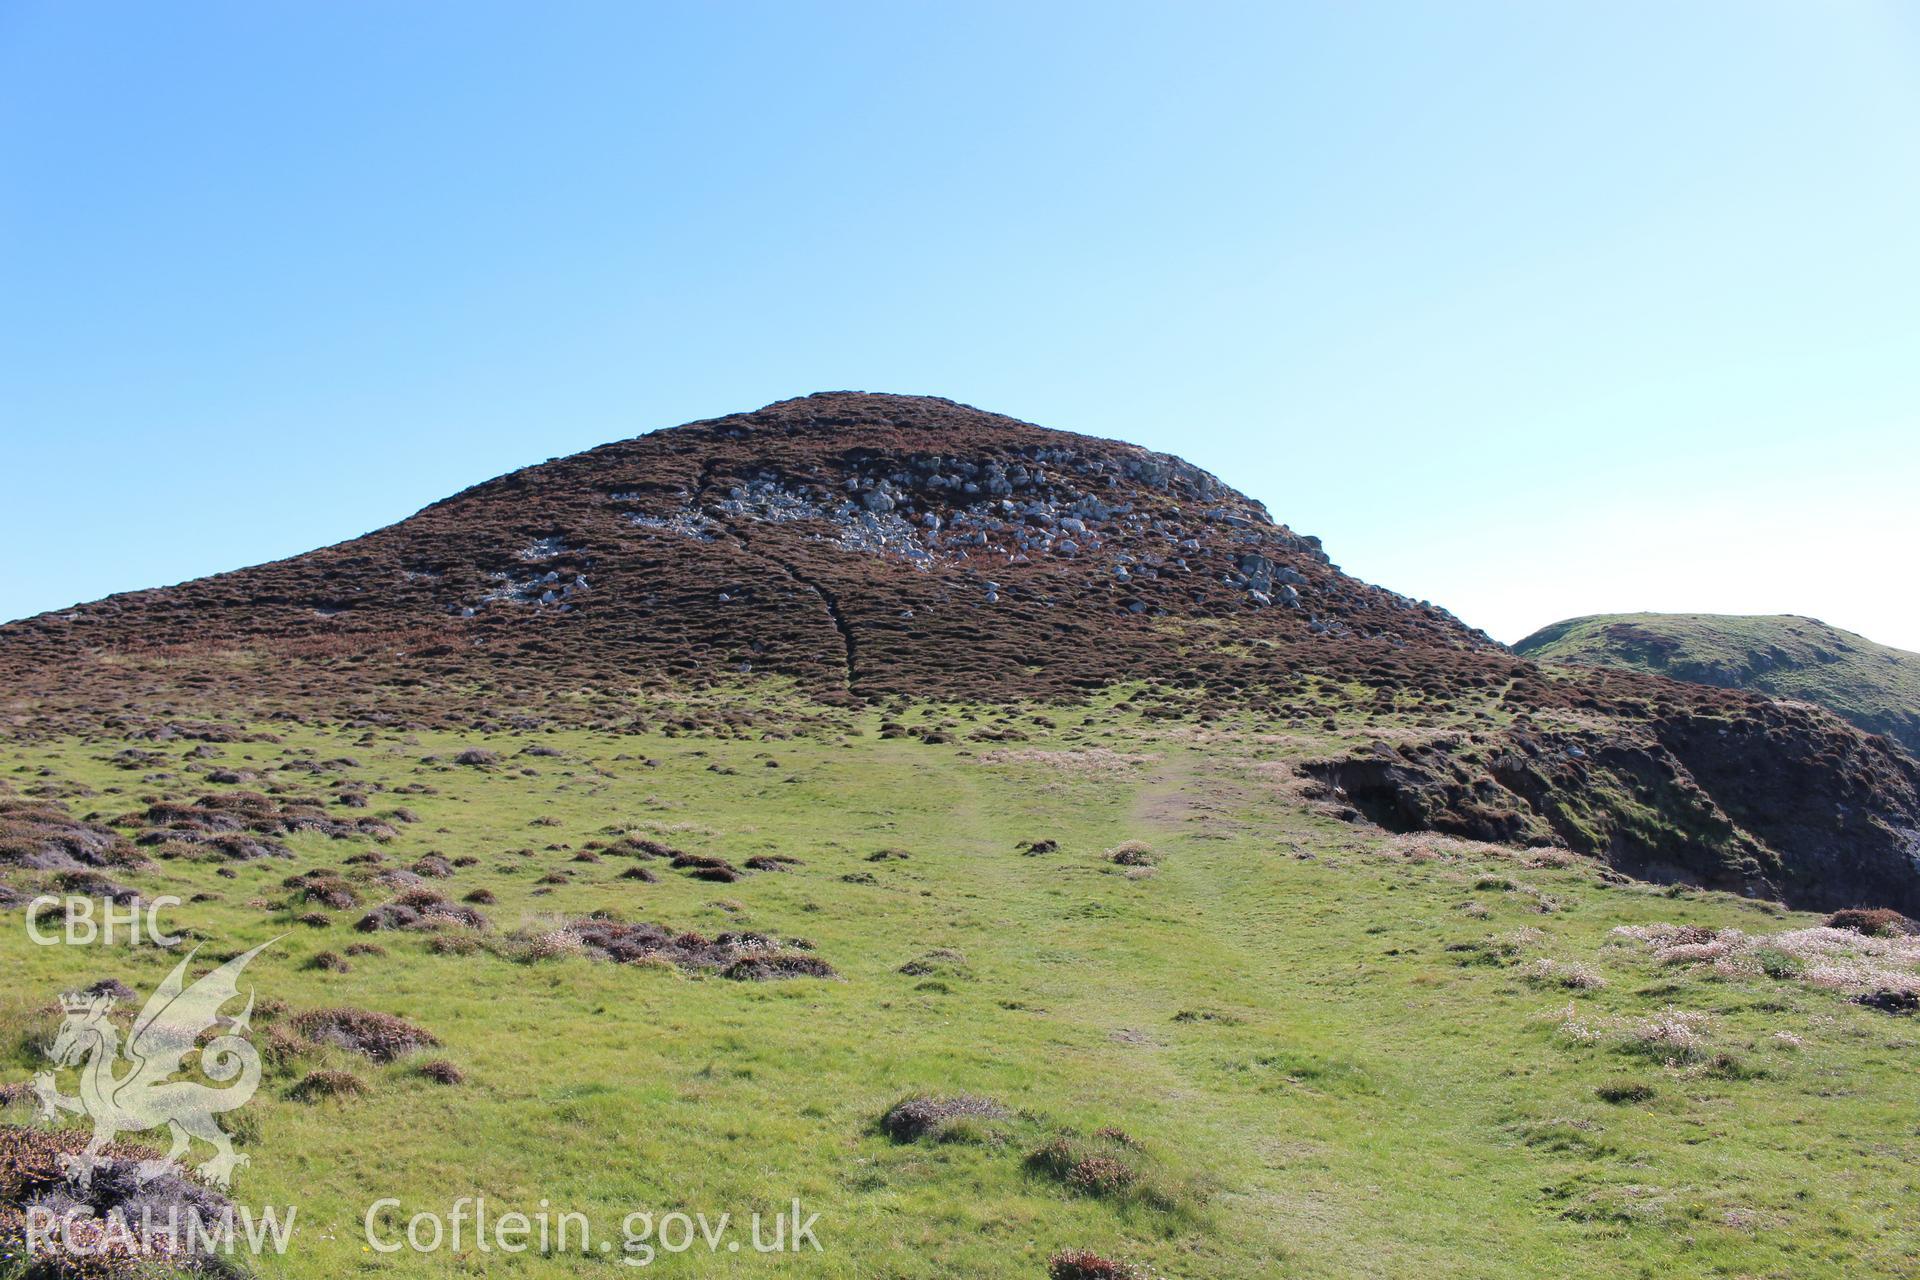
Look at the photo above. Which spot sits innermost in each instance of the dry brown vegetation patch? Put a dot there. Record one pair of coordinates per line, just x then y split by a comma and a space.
741, 955
917, 1117
380, 1037
420, 908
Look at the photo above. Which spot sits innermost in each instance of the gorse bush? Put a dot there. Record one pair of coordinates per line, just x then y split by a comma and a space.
1101, 1175
316, 1086
1875, 922
1557, 973
1622, 1092
1081, 1264
1108, 1169
922, 1116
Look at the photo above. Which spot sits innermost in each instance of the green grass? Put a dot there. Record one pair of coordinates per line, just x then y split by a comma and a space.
1875, 687
1310, 1080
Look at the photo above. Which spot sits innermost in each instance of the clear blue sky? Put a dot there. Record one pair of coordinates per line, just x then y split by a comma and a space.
1529, 309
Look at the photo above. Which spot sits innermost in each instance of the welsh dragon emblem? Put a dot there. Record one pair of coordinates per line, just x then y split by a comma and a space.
144, 1096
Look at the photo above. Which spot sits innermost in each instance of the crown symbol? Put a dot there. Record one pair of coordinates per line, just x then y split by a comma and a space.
81, 1002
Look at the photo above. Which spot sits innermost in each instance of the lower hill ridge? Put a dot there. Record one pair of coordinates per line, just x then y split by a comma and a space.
1870, 685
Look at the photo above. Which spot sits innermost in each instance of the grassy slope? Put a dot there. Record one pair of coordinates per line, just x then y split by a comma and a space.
1345, 1096
1875, 687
